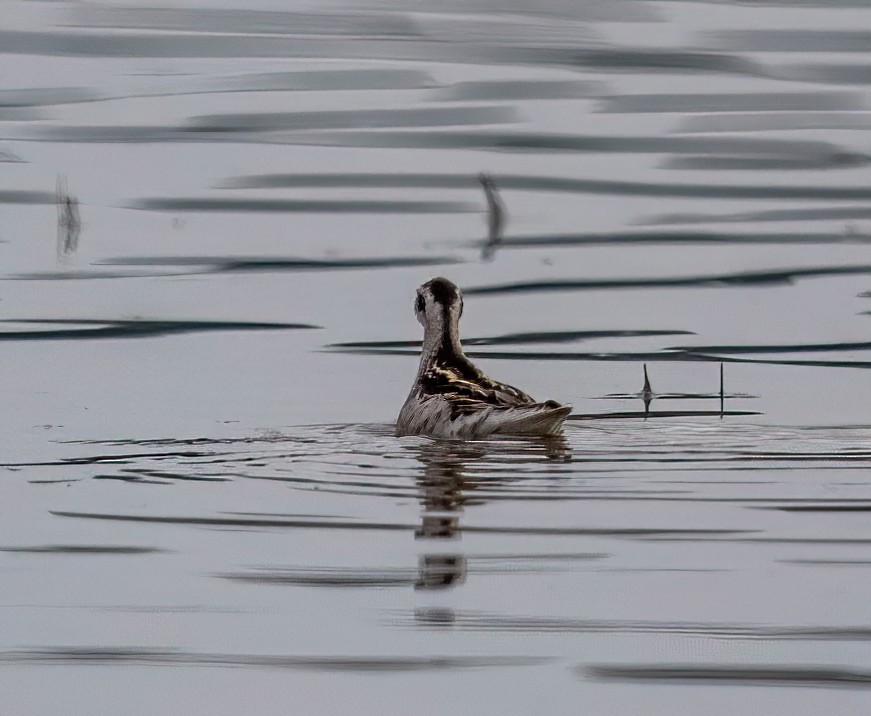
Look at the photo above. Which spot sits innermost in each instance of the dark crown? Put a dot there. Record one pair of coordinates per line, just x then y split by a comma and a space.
443, 291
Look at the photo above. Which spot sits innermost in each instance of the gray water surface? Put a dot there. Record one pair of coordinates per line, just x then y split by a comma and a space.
213, 220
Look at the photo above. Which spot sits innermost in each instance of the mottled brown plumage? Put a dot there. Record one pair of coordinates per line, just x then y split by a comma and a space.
451, 397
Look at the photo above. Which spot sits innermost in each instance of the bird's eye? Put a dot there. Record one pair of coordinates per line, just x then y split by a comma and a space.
420, 305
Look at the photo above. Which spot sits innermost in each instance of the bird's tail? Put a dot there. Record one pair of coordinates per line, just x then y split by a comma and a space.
536, 419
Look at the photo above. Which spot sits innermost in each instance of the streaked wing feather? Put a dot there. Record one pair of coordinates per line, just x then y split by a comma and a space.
466, 396
508, 393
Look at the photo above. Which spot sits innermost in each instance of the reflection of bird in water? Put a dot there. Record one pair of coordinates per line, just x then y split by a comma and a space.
495, 216
450, 397
441, 485
447, 487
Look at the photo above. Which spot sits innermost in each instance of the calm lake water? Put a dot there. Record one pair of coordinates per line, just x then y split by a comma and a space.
213, 223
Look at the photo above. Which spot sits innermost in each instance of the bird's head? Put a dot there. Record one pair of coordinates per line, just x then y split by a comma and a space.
438, 305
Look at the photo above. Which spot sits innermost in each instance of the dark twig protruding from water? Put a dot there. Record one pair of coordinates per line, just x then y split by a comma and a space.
495, 216
69, 224
646, 393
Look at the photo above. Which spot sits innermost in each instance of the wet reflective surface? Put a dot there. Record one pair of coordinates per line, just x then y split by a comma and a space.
212, 224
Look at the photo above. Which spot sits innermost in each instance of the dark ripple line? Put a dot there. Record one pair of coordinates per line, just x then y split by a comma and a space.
575, 185
522, 338
248, 21
550, 355
383, 578
204, 45
46, 96
853, 74
326, 577
208, 264
477, 90
733, 102
164, 475
791, 40
776, 121
819, 508
513, 141
782, 361
562, 143
743, 278
486, 622
122, 458
652, 61
353, 119
816, 213
774, 348
828, 4
103, 329
670, 356
326, 524
83, 549
160, 657
701, 236
645, 415
241, 263
740, 675
308, 206
293, 81
762, 163
828, 562
131, 479
27, 197
383, 21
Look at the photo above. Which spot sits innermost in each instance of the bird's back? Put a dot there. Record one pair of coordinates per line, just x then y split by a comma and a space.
456, 400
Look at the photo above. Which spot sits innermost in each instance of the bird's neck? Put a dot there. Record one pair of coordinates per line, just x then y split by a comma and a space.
441, 343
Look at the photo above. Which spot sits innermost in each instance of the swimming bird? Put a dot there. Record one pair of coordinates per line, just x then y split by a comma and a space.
450, 397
